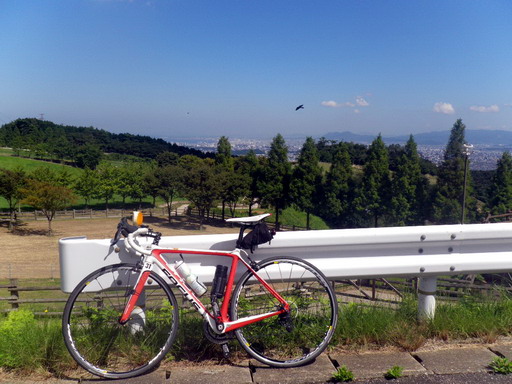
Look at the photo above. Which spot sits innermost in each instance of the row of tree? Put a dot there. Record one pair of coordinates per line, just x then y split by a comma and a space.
388, 188
82, 146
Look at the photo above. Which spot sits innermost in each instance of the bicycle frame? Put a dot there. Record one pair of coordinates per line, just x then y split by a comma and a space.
220, 324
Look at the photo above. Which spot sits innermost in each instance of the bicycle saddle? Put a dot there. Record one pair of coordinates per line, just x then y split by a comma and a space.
251, 220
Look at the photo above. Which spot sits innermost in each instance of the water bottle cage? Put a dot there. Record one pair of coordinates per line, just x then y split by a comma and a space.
219, 282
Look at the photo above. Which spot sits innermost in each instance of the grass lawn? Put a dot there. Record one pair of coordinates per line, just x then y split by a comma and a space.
29, 165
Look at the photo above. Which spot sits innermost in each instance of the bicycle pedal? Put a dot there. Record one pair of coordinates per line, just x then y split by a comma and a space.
225, 351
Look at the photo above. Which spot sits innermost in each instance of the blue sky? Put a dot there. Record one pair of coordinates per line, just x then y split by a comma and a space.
183, 68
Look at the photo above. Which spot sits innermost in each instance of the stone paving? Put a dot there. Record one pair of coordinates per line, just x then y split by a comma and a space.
367, 366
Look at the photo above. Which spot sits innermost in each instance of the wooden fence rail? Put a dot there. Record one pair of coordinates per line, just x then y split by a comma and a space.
216, 216
84, 214
41, 306
111, 213
50, 300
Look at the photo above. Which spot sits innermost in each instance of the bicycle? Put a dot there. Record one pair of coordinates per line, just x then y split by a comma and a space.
121, 320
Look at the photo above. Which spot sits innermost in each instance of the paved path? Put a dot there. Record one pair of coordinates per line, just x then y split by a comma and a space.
182, 209
450, 365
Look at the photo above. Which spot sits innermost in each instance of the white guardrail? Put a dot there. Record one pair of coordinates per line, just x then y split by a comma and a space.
423, 251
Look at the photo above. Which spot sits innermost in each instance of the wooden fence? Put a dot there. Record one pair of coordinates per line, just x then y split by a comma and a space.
448, 288
70, 214
50, 300
43, 301
85, 214
217, 216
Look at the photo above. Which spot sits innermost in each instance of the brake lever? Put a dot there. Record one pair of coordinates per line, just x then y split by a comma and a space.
117, 235
123, 228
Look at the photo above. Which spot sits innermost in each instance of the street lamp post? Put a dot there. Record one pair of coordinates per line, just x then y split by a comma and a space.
467, 152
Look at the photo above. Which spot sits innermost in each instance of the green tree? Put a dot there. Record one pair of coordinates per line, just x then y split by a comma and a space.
223, 179
189, 162
224, 166
17, 144
237, 187
12, 184
88, 155
501, 190
326, 149
447, 205
107, 183
275, 183
167, 158
251, 166
374, 192
125, 179
128, 180
40, 150
306, 179
200, 187
224, 157
337, 188
62, 177
86, 185
137, 189
61, 148
408, 187
170, 180
150, 181
47, 197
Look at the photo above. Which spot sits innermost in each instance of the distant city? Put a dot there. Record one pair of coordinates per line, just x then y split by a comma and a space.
482, 156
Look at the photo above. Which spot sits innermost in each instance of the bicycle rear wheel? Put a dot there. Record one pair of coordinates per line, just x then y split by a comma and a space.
96, 339
297, 337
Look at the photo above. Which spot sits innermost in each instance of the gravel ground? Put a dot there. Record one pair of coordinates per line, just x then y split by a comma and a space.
28, 252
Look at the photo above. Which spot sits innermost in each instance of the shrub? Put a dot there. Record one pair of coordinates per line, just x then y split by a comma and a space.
394, 373
501, 365
343, 374
28, 344
18, 341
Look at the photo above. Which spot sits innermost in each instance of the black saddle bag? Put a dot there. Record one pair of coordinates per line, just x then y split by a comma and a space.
259, 234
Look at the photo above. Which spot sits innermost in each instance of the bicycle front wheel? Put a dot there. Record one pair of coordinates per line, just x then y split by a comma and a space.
294, 338
96, 339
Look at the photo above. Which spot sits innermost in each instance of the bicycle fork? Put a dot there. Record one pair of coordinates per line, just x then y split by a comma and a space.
136, 292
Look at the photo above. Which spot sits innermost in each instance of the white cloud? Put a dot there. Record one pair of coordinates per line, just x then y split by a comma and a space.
445, 108
361, 102
334, 104
330, 103
484, 109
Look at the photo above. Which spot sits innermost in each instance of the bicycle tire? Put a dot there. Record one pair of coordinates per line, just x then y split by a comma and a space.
95, 338
286, 341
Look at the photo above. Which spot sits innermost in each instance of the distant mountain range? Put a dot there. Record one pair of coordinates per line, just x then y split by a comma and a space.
475, 137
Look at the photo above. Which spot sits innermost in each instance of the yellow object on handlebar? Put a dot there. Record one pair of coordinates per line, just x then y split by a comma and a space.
138, 218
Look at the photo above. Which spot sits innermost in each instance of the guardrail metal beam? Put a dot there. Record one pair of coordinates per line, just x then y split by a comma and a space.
422, 251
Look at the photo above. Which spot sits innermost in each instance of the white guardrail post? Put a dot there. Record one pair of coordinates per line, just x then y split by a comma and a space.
427, 287
424, 251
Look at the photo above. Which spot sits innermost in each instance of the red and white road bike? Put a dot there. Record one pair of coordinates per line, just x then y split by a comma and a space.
121, 320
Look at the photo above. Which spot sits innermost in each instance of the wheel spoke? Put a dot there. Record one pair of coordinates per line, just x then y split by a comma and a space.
97, 340
298, 336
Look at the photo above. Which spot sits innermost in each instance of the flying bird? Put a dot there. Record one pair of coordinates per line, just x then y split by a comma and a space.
300, 107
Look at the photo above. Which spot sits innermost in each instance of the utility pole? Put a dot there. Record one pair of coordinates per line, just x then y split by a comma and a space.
467, 152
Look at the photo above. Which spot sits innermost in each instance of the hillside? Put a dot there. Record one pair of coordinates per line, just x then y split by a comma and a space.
64, 141
29, 165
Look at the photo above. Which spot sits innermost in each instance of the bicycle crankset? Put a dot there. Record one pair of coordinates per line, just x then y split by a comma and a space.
215, 337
